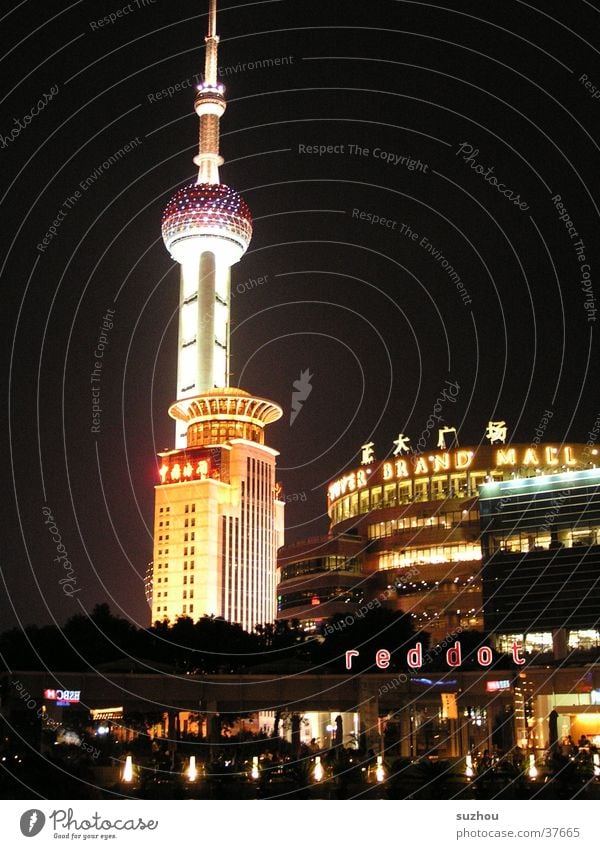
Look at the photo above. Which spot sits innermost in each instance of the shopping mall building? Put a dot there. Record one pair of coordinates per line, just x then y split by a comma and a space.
406, 531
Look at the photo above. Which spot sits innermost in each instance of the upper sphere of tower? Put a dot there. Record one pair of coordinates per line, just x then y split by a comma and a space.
207, 216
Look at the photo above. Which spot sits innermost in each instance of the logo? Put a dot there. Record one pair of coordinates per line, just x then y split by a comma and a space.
32, 822
302, 389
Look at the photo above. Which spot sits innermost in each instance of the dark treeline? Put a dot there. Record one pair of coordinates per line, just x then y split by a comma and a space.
211, 645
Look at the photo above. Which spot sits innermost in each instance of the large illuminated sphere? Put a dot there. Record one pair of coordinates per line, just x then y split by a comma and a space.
207, 217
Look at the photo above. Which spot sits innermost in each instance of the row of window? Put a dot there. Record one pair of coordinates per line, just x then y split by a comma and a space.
542, 641
407, 492
188, 523
448, 520
330, 563
540, 540
312, 598
165, 580
164, 610
430, 555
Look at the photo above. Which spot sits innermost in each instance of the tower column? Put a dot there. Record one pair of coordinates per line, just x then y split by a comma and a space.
205, 347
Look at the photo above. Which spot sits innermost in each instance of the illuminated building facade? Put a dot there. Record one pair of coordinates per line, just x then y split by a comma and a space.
218, 521
413, 524
541, 572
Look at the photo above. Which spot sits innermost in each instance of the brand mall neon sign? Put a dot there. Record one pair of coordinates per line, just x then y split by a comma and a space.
446, 461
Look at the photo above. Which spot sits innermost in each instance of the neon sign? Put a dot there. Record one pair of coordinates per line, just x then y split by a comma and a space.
406, 466
497, 686
62, 697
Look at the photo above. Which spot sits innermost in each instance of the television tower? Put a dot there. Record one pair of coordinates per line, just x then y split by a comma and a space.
206, 228
218, 518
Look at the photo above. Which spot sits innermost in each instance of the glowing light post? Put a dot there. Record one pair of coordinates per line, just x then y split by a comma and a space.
469, 766
128, 770
192, 771
379, 770
206, 228
596, 762
532, 771
318, 770
254, 771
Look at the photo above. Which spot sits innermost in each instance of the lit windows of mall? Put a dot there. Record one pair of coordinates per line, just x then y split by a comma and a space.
409, 527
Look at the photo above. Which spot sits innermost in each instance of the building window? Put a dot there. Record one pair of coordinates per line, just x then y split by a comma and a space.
193, 535
191, 579
159, 580
185, 550
185, 593
186, 509
184, 608
158, 595
185, 537
191, 593
185, 577
191, 608
193, 508
193, 549
191, 564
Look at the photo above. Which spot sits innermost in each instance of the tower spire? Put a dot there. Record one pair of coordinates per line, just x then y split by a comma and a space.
210, 105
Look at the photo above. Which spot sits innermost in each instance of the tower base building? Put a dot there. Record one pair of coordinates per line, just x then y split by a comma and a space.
218, 521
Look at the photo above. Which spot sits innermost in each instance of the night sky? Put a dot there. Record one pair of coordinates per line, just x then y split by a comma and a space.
338, 113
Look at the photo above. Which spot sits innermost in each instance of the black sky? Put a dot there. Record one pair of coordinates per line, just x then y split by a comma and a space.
371, 314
